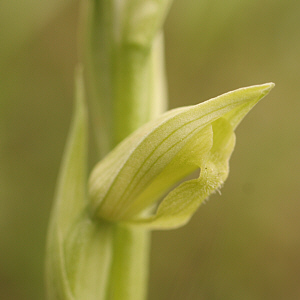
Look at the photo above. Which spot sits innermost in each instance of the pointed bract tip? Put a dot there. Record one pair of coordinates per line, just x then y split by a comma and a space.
268, 87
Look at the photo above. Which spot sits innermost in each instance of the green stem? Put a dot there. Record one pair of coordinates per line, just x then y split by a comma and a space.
125, 77
126, 81
129, 271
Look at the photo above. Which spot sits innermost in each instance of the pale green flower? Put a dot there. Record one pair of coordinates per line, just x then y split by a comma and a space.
142, 168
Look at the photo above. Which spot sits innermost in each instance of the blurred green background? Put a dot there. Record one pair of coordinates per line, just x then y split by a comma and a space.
244, 244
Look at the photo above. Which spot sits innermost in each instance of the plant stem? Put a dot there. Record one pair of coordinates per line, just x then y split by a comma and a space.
129, 271
126, 82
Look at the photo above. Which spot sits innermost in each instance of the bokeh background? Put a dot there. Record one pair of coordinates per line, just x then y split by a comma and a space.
244, 244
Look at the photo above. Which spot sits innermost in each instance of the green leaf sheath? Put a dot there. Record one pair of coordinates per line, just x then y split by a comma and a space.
137, 172
71, 198
77, 247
